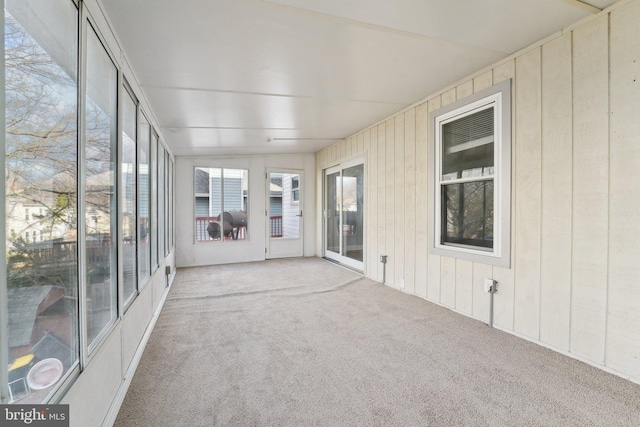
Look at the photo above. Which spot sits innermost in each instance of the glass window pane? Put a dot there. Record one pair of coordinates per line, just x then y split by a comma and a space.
208, 188
353, 212
160, 202
221, 204
154, 201
41, 171
290, 206
144, 259
467, 212
100, 206
275, 205
128, 176
334, 186
166, 203
235, 190
170, 190
468, 146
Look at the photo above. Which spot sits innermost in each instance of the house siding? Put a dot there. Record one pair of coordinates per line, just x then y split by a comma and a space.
290, 209
575, 259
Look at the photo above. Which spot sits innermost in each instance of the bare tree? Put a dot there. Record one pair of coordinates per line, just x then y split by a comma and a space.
41, 153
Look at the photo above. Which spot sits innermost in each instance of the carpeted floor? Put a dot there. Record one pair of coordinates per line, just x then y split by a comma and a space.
307, 343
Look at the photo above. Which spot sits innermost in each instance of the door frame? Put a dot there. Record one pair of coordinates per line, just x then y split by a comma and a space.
284, 247
331, 255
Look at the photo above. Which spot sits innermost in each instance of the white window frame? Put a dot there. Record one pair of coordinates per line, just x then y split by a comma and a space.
497, 97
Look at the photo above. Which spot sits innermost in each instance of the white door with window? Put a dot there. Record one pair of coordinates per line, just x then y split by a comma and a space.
344, 214
283, 212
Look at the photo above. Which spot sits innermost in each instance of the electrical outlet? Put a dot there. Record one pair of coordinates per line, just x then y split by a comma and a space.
489, 285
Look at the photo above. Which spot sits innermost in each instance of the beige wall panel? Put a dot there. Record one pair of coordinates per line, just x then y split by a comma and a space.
334, 154
371, 239
397, 227
342, 150
555, 275
348, 146
528, 190
390, 200
480, 297
382, 210
465, 89
464, 286
504, 72
433, 261
623, 326
590, 189
448, 281
410, 200
504, 299
449, 97
421, 251
366, 140
361, 142
483, 81
448, 265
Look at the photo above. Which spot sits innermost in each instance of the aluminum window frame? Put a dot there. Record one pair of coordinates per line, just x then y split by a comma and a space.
497, 97
194, 196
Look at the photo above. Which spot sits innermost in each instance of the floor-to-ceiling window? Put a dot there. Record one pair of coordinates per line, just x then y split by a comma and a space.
153, 175
41, 194
161, 201
65, 193
128, 195
144, 202
101, 267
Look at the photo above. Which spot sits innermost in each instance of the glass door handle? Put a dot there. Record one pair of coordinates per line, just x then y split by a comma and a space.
300, 214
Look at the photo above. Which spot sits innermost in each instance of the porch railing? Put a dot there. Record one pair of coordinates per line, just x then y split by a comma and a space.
275, 226
202, 222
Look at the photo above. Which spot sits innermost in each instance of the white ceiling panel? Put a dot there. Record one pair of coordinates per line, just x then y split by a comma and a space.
482, 24
227, 74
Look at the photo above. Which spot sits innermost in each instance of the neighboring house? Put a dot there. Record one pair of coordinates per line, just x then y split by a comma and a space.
36, 312
209, 190
290, 205
28, 216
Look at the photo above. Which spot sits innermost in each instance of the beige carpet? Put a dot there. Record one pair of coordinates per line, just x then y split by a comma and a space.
307, 343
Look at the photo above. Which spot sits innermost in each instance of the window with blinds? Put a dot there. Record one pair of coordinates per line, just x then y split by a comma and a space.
467, 176
471, 167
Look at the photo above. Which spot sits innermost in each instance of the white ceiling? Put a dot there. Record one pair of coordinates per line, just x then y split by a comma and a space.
223, 76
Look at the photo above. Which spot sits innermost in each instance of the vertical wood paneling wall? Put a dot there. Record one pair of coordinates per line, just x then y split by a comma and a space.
574, 282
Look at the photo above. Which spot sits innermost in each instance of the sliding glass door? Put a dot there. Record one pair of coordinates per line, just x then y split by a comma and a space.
344, 214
